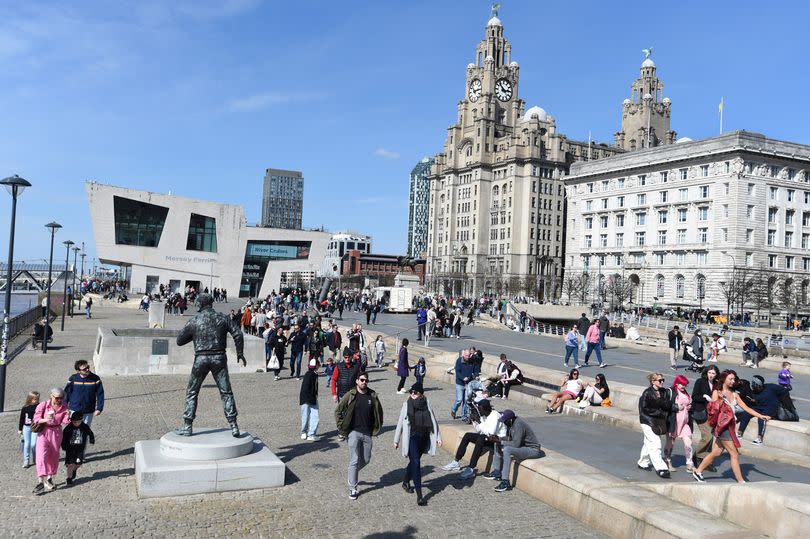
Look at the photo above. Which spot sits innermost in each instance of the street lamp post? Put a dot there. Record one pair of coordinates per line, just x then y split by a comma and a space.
15, 186
73, 288
53, 228
732, 285
67, 244
81, 273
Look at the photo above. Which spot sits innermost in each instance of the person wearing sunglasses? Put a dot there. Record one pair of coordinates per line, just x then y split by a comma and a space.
418, 433
570, 388
358, 416
654, 408
51, 415
84, 392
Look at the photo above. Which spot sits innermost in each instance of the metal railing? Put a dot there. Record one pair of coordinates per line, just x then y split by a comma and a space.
22, 321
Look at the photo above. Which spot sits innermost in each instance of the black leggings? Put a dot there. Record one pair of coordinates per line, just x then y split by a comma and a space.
401, 382
481, 445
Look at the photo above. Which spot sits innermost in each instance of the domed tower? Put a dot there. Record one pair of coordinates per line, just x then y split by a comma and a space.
645, 115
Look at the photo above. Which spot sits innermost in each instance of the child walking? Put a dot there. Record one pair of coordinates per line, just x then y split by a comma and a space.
419, 370
328, 370
379, 347
29, 439
74, 442
785, 377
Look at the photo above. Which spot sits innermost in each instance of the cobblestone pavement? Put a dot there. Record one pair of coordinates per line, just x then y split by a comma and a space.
314, 501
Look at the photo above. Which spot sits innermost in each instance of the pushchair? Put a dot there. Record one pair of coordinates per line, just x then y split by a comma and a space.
695, 361
476, 390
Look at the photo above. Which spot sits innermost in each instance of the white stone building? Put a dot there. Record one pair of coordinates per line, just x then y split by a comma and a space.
682, 221
176, 241
341, 243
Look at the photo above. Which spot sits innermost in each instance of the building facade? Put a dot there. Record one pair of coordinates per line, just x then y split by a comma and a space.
339, 244
418, 205
179, 242
283, 199
646, 113
722, 223
382, 268
496, 208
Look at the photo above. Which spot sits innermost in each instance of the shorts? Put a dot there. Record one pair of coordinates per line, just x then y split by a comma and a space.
573, 395
74, 457
725, 436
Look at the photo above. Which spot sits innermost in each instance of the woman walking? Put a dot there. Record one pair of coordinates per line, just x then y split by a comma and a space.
680, 422
418, 433
52, 414
701, 396
654, 408
572, 347
402, 366
724, 401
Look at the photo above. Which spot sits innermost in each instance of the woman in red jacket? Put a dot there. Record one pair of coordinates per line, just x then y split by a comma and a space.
724, 400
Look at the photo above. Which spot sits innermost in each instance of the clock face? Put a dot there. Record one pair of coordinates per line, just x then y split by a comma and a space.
503, 90
475, 90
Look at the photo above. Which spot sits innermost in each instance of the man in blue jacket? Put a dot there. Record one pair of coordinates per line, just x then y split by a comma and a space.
465, 372
421, 322
84, 392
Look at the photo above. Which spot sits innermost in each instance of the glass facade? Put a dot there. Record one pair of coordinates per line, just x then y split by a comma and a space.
258, 254
202, 234
138, 223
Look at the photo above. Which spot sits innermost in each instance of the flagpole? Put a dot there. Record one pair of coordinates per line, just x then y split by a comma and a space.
721, 115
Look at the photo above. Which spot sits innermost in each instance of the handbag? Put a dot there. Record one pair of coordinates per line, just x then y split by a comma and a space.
606, 402
273, 362
37, 427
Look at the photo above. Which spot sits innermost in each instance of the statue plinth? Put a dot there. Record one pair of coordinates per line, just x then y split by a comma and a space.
209, 461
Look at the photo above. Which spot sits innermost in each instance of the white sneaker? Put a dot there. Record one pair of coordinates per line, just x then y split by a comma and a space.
313, 438
583, 404
303, 435
450, 466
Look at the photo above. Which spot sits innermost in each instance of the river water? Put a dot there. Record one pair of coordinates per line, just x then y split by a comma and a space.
20, 302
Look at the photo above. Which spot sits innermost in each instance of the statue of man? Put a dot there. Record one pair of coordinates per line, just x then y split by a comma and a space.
209, 330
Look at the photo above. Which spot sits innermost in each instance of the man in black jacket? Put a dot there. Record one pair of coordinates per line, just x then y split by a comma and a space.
582, 326
308, 399
654, 407
675, 341
765, 399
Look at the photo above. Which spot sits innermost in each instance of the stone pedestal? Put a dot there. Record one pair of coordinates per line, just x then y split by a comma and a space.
209, 461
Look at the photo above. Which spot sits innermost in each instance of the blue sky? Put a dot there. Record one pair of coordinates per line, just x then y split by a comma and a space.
198, 97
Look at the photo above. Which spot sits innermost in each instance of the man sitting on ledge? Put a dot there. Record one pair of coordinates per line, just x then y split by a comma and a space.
519, 443
39, 333
482, 438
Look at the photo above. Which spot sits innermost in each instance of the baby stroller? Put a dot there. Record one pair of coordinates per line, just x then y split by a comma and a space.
695, 361
473, 393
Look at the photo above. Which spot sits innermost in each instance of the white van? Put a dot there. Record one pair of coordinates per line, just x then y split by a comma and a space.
397, 299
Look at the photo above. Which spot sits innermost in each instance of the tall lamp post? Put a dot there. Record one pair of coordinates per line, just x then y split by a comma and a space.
81, 274
67, 244
15, 186
73, 295
53, 228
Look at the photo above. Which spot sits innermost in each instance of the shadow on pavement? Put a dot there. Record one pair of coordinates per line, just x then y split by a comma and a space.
106, 455
408, 532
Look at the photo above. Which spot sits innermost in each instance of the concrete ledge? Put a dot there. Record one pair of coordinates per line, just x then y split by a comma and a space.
609, 504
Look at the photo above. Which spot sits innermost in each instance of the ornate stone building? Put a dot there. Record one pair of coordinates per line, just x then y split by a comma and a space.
681, 223
497, 212
645, 114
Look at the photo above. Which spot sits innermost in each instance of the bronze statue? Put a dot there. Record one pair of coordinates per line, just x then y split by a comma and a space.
209, 330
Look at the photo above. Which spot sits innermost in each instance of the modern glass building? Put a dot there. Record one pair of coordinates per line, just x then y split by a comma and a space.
283, 199
419, 204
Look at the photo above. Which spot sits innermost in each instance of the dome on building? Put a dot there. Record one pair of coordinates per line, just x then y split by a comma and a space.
489, 58
626, 102
541, 114
683, 139
648, 96
666, 100
470, 66
513, 64
494, 21
648, 63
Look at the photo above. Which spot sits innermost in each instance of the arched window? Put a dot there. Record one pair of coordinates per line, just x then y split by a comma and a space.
495, 191
700, 286
659, 286
679, 282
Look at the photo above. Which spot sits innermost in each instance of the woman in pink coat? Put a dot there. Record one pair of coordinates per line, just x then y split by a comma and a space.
53, 413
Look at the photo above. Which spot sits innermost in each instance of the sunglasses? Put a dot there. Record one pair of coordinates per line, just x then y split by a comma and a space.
658, 380
56, 398
362, 380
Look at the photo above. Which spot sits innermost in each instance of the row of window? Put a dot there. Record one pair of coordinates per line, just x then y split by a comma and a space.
703, 192
641, 218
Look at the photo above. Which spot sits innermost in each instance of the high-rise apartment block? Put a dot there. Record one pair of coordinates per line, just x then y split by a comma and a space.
283, 199
419, 202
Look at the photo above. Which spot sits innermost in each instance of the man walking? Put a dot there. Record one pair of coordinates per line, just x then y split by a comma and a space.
604, 326
358, 416
84, 392
297, 340
465, 371
308, 399
582, 327
344, 375
675, 341
421, 322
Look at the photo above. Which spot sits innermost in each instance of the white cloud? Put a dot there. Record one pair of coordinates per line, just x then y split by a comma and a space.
387, 154
262, 101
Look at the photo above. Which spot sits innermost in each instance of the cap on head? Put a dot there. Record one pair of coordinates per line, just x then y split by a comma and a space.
313, 363
507, 415
76, 416
418, 388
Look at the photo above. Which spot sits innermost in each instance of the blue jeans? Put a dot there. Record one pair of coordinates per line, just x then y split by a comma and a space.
602, 339
29, 444
87, 312
503, 456
295, 363
309, 416
594, 347
418, 445
583, 344
460, 401
571, 350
